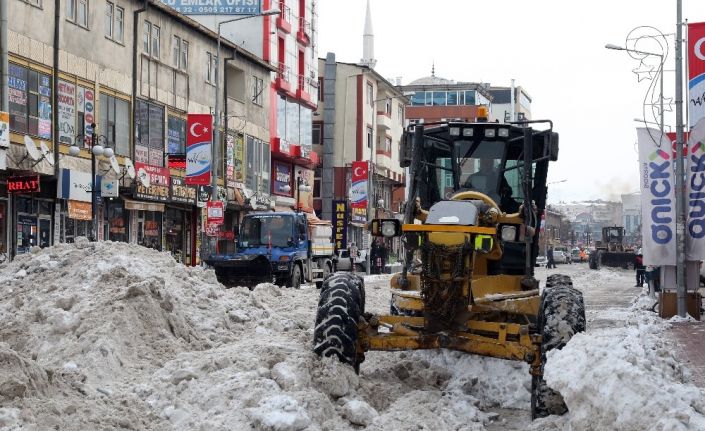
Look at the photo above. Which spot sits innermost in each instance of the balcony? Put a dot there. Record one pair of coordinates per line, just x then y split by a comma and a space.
284, 18
303, 35
384, 121
283, 80
307, 91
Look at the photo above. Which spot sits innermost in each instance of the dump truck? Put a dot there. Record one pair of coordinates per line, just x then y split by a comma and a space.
471, 233
286, 248
611, 251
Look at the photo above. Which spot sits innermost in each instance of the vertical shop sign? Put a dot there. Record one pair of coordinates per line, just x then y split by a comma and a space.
229, 162
88, 115
239, 161
67, 112
198, 149
340, 225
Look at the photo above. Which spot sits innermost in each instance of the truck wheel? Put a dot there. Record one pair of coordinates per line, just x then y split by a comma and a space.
295, 279
340, 306
327, 271
561, 315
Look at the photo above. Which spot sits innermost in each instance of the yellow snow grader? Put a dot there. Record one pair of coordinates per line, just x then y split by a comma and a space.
470, 229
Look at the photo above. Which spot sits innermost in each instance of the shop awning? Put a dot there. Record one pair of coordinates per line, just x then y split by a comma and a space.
143, 206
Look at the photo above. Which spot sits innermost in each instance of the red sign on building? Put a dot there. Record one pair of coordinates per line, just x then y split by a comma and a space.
215, 212
29, 184
198, 149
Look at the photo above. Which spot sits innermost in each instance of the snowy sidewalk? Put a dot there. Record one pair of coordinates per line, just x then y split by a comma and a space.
690, 337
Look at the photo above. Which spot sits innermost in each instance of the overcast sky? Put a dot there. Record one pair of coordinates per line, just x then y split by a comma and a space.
552, 48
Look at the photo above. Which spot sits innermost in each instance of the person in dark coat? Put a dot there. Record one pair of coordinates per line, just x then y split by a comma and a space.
640, 270
549, 255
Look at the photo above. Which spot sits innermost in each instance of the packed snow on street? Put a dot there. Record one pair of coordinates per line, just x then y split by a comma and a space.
117, 336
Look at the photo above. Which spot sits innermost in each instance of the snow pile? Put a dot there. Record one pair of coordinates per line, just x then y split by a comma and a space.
111, 335
625, 378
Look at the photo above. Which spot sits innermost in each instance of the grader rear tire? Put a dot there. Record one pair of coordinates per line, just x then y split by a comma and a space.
341, 303
561, 315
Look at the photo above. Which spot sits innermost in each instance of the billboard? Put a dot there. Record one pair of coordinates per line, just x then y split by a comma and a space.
696, 72
198, 149
216, 7
358, 190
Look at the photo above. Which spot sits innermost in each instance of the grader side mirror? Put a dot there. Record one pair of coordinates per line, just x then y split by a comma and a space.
550, 147
387, 228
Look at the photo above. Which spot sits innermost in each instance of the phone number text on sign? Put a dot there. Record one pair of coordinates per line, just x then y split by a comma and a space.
213, 7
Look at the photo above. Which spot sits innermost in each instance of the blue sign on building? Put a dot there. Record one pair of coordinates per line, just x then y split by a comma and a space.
216, 7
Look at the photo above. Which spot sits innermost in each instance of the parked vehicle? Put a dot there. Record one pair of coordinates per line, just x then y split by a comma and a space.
342, 261
560, 256
286, 248
575, 255
541, 260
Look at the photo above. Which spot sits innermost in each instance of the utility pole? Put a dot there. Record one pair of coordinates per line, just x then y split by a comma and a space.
4, 65
680, 190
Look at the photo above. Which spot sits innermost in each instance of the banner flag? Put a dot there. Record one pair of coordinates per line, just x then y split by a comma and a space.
696, 72
198, 149
358, 191
695, 187
658, 204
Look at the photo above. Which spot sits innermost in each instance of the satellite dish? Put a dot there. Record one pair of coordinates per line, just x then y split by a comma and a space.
32, 149
130, 168
114, 164
143, 175
48, 156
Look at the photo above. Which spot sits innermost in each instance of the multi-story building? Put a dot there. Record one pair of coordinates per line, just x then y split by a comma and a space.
360, 117
589, 217
510, 103
134, 69
288, 42
631, 214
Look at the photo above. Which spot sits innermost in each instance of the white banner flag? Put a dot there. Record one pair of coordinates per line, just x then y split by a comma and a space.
658, 205
695, 203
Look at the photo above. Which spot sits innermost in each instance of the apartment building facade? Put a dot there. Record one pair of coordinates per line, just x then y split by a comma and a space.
134, 69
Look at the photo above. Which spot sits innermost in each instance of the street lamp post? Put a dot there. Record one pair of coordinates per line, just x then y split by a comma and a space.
216, 126
97, 150
660, 73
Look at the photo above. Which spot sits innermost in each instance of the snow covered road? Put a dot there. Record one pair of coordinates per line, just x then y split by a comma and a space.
115, 336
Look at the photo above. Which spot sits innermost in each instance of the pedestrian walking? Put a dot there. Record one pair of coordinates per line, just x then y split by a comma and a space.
640, 270
551, 263
353, 255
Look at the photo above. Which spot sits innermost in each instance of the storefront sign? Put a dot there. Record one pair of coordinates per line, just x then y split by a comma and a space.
87, 100
358, 190
359, 215
109, 188
239, 161
216, 212
212, 229
4, 130
340, 224
220, 7
181, 192
177, 161
204, 195
229, 161
80, 210
198, 149
305, 197
29, 184
67, 112
281, 177
158, 189
74, 185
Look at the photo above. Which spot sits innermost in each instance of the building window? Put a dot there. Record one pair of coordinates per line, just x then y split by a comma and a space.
317, 135
115, 123
320, 89
385, 145
210, 68
257, 90
77, 12
114, 22
151, 39
29, 95
400, 113
179, 58
370, 137
149, 130
184, 55
258, 165
176, 135
370, 94
388, 107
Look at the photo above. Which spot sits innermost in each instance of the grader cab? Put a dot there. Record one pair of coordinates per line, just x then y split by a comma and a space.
471, 236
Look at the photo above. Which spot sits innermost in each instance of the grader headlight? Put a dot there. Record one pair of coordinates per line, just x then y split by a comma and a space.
509, 233
484, 243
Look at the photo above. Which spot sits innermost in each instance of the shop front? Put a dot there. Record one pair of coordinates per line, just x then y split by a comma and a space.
4, 231
33, 203
179, 221
151, 194
116, 221
73, 191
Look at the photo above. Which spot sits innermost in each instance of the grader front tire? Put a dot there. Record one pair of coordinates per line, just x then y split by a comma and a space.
341, 303
561, 315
